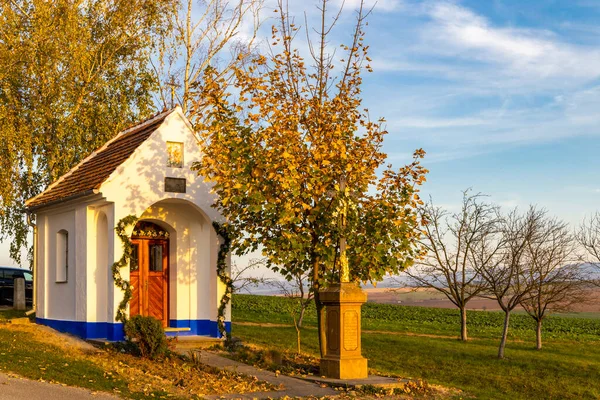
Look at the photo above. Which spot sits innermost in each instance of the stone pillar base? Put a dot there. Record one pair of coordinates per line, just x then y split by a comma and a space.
19, 294
343, 358
345, 368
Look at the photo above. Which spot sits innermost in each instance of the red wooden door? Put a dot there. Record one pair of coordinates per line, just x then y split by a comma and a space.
149, 278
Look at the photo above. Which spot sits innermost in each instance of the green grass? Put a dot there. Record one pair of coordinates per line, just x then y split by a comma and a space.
7, 314
424, 320
568, 367
32, 359
37, 352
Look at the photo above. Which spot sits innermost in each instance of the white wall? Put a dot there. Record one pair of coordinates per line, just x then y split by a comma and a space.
84, 297
99, 286
190, 258
40, 272
98, 266
58, 300
137, 188
139, 182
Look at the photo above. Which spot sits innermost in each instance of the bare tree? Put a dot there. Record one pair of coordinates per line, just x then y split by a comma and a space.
588, 237
242, 281
203, 33
555, 279
457, 246
299, 297
505, 274
304, 293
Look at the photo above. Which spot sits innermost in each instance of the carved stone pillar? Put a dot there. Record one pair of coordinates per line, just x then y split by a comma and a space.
343, 358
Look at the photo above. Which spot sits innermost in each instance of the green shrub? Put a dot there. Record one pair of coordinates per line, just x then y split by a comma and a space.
146, 336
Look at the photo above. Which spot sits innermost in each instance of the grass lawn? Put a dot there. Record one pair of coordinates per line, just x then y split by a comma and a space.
418, 342
39, 353
34, 359
6, 314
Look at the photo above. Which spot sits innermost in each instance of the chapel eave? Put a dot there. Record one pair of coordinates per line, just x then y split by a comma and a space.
77, 196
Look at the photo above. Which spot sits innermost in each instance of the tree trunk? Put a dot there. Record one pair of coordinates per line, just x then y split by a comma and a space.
320, 307
504, 335
463, 324
321, 327
538, 334
297, 335
301, 317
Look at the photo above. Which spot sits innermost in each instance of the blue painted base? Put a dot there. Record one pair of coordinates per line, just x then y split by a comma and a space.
114, 331
86, 330
198, 327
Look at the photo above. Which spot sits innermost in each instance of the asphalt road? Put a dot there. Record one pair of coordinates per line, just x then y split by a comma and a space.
12, 388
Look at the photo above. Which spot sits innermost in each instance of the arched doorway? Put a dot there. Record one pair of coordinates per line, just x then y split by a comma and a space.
149, 272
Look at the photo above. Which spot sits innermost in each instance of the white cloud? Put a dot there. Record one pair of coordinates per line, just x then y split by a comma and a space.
377, 5
495, 129
427, 123
474, 86
582, 107
532, 53
509, 203
457, 44
437, 155
483, 87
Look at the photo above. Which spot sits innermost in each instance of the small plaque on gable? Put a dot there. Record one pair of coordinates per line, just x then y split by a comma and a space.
175, 185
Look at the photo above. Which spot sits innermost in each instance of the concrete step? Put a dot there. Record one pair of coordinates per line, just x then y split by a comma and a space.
373, 380
169, 329
196, 342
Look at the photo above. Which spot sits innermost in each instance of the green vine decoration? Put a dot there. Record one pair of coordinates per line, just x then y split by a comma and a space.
224, 277
121, 283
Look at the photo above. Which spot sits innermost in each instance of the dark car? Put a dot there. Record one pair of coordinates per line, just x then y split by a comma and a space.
7, 278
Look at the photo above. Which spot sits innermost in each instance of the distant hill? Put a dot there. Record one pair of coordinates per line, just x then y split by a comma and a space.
273, 288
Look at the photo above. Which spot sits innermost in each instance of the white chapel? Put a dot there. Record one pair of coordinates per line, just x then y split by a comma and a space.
143, 171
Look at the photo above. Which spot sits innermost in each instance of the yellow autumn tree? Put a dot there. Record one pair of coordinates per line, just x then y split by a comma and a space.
72, 74
294, 158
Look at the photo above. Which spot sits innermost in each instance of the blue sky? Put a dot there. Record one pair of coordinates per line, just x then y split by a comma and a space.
503, 95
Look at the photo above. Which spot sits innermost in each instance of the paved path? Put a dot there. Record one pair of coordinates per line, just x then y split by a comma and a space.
13, 388
292, 387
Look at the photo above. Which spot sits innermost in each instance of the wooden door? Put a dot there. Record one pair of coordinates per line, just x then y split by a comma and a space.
135, 278
149, 271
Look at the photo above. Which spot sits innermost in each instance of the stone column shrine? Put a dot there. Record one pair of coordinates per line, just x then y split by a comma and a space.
343, 358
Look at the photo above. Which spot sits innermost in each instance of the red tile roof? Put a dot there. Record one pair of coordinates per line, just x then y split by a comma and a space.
87, 176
